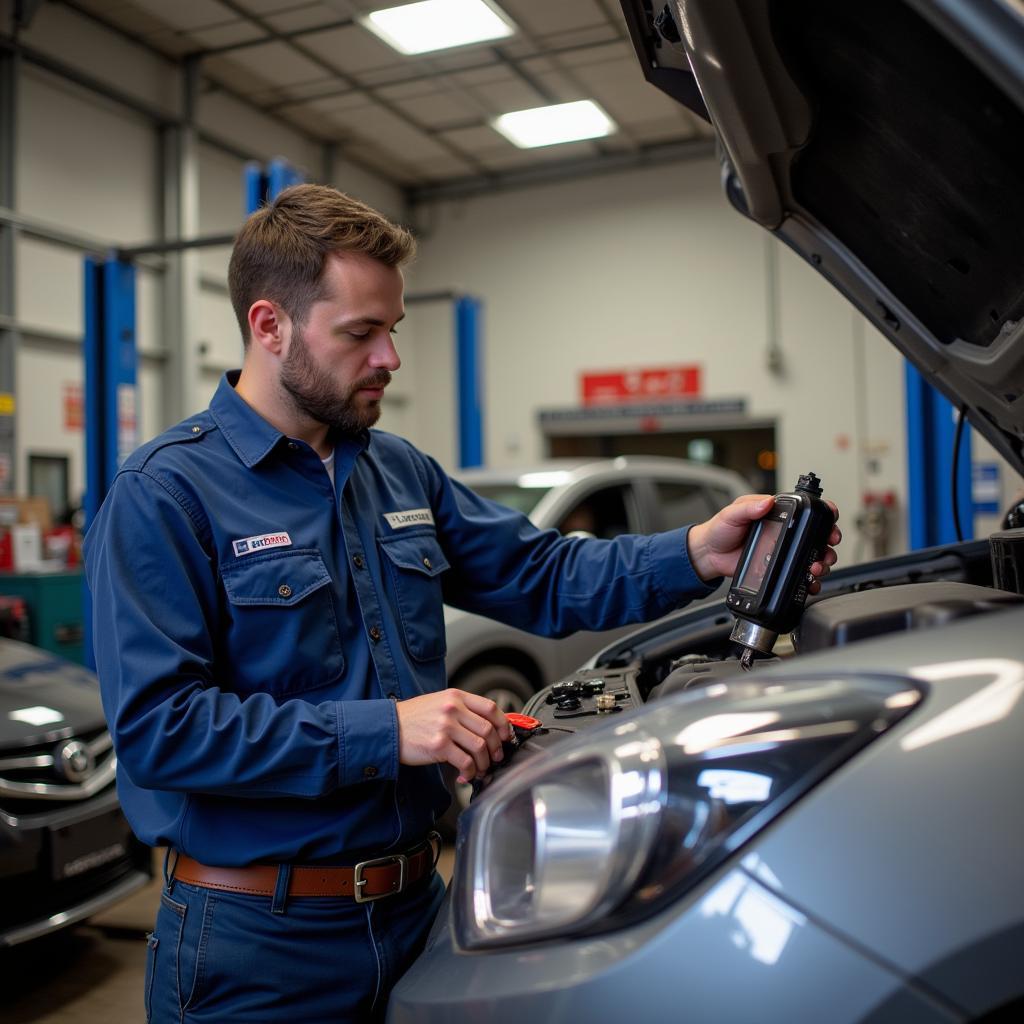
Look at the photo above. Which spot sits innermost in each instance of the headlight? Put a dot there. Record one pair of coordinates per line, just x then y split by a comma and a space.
624, 818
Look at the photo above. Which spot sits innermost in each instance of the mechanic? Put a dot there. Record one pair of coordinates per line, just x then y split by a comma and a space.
268, 579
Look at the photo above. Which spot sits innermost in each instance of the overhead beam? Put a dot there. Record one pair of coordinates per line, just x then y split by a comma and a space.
567, 170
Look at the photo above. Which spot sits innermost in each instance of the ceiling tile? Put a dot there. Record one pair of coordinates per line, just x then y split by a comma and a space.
478, 141
306, 16
277, 63
540, 18
620, 87
443, 168
226, 35
511, 94
172, 43
514, 159
302, 92
437, 109
346, 101
265, 7
125, 15
352, 49
390, 132
599, 54
188, 14
571, 40
228, 71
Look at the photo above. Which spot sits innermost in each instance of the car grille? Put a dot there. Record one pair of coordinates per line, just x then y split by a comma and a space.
44, 776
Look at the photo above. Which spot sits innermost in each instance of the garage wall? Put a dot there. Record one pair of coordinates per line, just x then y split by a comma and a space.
93, 166
650, 268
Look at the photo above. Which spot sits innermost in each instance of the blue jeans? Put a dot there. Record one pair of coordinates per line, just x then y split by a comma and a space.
218, 956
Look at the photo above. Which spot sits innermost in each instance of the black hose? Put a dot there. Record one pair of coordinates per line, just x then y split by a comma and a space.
958, 434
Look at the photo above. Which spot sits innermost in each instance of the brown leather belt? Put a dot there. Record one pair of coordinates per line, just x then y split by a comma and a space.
368, 880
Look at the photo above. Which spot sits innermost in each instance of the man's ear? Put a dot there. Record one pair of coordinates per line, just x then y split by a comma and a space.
267, 326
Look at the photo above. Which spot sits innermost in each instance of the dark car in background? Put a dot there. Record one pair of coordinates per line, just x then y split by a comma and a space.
836, 834
66, 850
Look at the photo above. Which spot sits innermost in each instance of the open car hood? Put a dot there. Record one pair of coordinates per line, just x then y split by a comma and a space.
882, 140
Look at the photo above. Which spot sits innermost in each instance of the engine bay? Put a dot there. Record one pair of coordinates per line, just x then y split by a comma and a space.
914, 592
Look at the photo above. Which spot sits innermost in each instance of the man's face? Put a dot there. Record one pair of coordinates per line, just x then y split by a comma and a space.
339, 362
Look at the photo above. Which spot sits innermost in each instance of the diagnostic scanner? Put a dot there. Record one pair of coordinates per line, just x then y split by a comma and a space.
770, 589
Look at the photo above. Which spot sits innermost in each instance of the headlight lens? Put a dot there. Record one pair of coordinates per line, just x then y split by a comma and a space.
622, 819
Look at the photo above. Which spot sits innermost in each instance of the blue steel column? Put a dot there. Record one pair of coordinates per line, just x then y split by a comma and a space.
111, 407
470, 391
262, 184
254, 187
931, 428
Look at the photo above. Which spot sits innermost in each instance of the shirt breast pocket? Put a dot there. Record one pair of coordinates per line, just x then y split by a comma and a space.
283, 632
415, 565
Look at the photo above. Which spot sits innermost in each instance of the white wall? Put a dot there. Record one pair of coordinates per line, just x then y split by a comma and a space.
650, 268
91, 165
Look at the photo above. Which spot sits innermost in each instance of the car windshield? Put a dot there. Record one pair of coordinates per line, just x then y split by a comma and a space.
522, 499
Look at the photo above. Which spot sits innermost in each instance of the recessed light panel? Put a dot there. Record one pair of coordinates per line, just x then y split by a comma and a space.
438, 24
562, 122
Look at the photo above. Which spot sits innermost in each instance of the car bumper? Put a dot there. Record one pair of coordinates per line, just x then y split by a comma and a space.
733, 952
60, 867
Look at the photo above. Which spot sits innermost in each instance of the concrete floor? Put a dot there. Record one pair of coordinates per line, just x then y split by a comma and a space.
92, 973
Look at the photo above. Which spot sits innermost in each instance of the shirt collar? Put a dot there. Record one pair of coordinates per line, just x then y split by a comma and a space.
251, 437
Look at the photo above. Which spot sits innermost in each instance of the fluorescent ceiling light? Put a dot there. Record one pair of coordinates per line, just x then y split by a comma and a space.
563, 122
438, 24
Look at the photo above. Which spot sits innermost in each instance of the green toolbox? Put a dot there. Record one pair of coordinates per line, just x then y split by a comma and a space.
54, 602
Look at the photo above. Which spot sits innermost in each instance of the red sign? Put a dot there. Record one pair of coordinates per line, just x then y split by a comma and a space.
74, 407
653, 384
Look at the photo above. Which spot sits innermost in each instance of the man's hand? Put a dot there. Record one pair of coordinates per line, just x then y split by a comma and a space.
462, 729
715, 545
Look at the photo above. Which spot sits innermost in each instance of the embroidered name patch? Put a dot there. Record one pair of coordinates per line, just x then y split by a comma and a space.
414, 517
250, 545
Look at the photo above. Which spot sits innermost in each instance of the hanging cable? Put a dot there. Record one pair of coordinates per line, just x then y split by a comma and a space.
958, 434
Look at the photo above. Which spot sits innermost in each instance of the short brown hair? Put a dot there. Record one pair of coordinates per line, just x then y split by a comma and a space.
280, 252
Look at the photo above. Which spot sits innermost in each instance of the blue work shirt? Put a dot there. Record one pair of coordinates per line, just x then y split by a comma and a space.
255, 624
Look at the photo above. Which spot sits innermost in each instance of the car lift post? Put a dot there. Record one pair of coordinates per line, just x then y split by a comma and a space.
931, 429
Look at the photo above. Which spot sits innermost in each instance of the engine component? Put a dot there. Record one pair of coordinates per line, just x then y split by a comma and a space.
846, 618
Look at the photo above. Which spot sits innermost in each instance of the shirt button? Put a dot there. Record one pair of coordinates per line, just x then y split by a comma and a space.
426, 562
375, 633
293, 446
370, 771
284, 590
358, 562
197, 430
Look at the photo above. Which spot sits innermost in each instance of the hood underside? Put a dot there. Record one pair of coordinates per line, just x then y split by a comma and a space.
884, 142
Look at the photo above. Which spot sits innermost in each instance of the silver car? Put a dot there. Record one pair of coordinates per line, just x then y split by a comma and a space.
834, 835
600, 498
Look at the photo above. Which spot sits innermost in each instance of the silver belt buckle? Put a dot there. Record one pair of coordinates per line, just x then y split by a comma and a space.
359, 881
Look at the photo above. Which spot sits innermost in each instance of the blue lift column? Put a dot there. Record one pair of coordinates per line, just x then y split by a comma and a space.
261, 184
111, 406
469, 370
931, 429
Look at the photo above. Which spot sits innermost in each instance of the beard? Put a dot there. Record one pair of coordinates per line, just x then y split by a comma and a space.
314, 393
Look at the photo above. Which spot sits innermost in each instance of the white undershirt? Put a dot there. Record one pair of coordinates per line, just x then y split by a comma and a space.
329, 466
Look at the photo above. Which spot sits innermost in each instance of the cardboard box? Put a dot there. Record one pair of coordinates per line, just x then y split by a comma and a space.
26, 510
